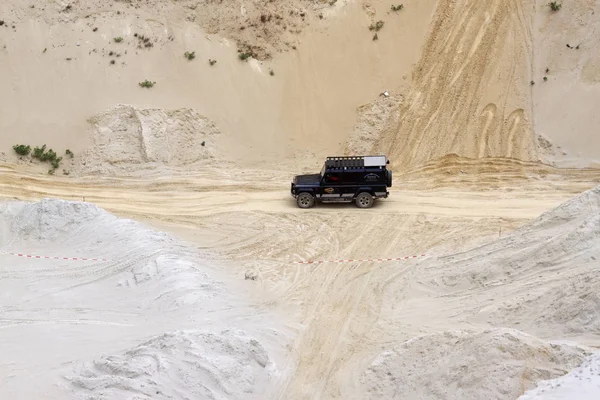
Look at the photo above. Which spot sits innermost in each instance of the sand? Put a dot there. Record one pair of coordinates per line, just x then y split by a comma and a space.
148, 310
184, 189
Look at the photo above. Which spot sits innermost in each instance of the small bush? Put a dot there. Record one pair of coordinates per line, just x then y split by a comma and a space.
398, 7
244, 56
545, 78
555, 5
375, 37
38, 152
190, 56
377, 26
50, 156
69, 153
271, 72
118, 39
56, 163
212, 62
147, 84
21, 149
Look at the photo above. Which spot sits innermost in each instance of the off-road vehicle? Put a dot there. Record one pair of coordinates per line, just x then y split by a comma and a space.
359, 179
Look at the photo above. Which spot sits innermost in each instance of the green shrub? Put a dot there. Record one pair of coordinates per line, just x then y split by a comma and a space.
21, 149
38, 152
56, 162
555, 5
244, 56
398, 7
147, 84
118, 39
69, 153
190, 56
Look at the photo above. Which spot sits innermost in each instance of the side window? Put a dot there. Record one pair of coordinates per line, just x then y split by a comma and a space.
332, 178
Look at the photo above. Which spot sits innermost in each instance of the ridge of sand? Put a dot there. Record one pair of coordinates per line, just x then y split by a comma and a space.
495, 363
127, 140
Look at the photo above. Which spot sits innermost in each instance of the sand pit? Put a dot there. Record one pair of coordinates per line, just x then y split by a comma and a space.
503, 304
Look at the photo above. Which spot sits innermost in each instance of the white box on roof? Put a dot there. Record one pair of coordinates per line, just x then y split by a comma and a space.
374, 161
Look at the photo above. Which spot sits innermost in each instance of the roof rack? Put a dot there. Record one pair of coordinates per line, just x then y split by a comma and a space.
356, 161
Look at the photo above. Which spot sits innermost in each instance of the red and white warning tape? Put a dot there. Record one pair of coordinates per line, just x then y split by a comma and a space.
57, 258
366, 260
297, 262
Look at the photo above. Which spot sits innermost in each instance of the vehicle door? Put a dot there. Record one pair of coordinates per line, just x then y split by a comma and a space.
331, 185
350, 182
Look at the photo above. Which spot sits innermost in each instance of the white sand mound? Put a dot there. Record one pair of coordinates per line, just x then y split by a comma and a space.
541, 278
582, 383
180, 365
77, 325
125, 139
493, 364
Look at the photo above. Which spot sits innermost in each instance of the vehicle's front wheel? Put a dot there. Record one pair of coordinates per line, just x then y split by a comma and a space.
364, 200
305, 200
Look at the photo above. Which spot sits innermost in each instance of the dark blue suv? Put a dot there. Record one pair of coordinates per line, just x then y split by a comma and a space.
359, 179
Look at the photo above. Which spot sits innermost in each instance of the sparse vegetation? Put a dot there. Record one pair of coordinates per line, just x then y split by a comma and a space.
532, 83
143, 41
545, 78
398, 7
375, 37
271, 72
376, 26
547, 70
118, 39
212, 62
190, 56
112, 62
555, 5
41, 154
21, 149
244, 56
69, 153
147, 84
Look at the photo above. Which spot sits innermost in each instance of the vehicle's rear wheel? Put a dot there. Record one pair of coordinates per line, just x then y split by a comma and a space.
364, 200
305, 200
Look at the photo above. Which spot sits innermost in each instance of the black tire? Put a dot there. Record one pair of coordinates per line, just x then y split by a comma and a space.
364, 200
305, 200
389, 178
